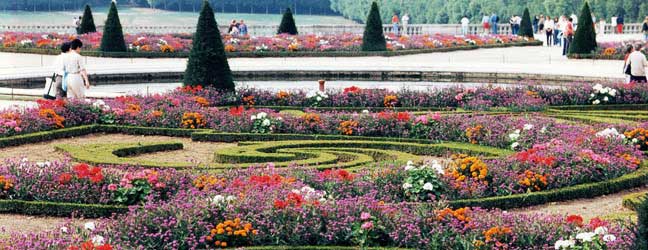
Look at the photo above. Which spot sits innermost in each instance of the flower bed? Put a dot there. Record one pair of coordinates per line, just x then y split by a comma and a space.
178, 45
610, 50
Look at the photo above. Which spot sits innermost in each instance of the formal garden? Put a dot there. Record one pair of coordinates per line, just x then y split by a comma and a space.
210, 165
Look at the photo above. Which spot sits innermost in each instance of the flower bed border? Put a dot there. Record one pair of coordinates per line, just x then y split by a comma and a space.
274, 53
60, 209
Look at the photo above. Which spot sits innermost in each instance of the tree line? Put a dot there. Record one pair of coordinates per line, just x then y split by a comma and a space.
237, 6
451, 11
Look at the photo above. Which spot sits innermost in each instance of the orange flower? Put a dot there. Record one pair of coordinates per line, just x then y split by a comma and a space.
249, 100
52, 116
390, 101
348, 127
534, 181
133, 109
207, 182
230, 48
460, 214
497, 234
609, 51
233, 231
468, 167
475, 133
311, 119
167, 49
5, 183
193, 120
201, 101
282, 95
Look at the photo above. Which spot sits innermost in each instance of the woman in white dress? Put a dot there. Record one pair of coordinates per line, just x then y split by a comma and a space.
76, 77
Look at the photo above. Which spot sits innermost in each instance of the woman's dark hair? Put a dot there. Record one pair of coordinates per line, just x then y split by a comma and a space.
75, 44
65, 47
628, 48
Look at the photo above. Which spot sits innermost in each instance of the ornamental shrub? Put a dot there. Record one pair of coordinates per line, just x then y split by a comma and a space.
585, 38
207, 64
525, 27
642, 232
113, 36
87, 22
373, 38
287, 25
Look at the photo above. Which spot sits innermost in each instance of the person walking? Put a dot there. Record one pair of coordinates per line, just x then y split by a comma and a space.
644, 29
549, 29
559, 22
574, 19
536, 19
568, 35
494, 19
638, 64
76, 80
541, 25
59, 71
232, 25
464, 25
243, 29
620, 22
486, 24
405, 20
395, 22
512, 23
626, 66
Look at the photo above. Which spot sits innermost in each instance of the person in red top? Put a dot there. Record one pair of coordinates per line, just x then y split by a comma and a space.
568, 35
395, 22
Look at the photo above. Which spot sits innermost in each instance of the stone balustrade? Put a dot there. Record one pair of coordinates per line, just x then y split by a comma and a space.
267, 30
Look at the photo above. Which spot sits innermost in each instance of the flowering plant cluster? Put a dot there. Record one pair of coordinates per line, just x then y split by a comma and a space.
602, 94
616, 50
264, 124
315, 98
135, 187
594, 235
423, 183
232, 233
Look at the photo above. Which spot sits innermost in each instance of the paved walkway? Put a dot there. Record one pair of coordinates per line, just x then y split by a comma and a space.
533, 60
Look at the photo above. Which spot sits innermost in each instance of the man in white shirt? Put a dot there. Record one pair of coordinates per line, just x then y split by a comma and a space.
464, 25
638, 64
405, 21
76, 80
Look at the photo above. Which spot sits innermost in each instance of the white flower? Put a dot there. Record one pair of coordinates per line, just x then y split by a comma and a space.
266, 123
365, 111
592, 95
253, 117
262, 115
613, 92
635, 140
604, 90
43, 164
89, 226
98, 240
596, 102
610, 133
585, 237
295, 191
322, 200
64, 229
407, 185
410, 163
598, 87
609, 238
428, 186
528, 126
564, 244
601, 230
319, 99
410, 167
515, 145
543, 130
230, 198
606, 99
218, 200
514, 136
438, 168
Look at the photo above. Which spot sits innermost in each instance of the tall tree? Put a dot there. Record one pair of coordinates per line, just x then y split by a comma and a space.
526, 30
87, 22
585, 38
113, 36
374, 38
287, 25
207, 64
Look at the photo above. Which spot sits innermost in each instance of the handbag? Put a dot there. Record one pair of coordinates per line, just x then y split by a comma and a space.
628, 70
50, 89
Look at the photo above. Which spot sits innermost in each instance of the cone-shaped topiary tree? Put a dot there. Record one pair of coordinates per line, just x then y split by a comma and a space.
374, 38
207, 64
287, 24
87, 22
642, 221
525, 27
113, 36
585, 37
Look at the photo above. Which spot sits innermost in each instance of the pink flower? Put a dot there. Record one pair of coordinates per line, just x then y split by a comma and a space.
365, 216
436, 116
421, 119
112, 187
160, 185
459, 96
367, 225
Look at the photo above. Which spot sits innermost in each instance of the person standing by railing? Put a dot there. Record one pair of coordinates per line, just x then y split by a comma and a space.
494, 19
395, 22
405, 20
620, 23
486, 23
243, 29
464, 25
549, 29
568, 35
536, 20
644, 29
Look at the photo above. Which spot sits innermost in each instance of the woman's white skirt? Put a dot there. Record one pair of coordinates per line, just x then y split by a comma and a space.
75, 86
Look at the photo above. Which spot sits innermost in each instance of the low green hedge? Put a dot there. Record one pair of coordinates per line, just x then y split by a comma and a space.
42, 136
114, 154
635, 179
632, 201
320, 248
602, 107
59, 208
95, 53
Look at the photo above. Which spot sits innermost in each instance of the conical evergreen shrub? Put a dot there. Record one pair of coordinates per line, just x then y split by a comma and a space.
642, 221
87, 22
585, 37
374, 38
207, 64
113, 36
526, 30
287, 24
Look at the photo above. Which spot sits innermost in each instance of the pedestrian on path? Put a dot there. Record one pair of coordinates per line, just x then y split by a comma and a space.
395, 22
494, 20
644, 29
541, 24
486, 24
59, 71
620, 22
638, 64
568, 36
243, 29
558, 29
549, 29
626, 66
75, 80
464, 25
405, 20
536, 20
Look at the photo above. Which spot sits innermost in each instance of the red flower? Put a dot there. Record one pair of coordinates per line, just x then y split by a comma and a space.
345, 175
64, 178
279, 204
87, 245
352, 90
403, 116
96, 178
104, 247
236, 111
295, 199
596, 222
575, 219
82, 170
73, 248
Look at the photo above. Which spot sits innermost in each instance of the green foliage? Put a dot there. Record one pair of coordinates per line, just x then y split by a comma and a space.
585, 38
59, 208
374, 38
287, 25
642, 221
113, 36
633, 201
117, 154
135, 194
207, 64
526, 30
421, 182
87, 22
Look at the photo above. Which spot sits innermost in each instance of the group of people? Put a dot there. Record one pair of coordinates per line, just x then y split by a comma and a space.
70, 79
490, 23
397, 22
558, 31
237, 28
635, 63
76, 23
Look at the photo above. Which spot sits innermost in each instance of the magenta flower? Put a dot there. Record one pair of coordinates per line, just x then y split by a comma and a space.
367, 225
365, 216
